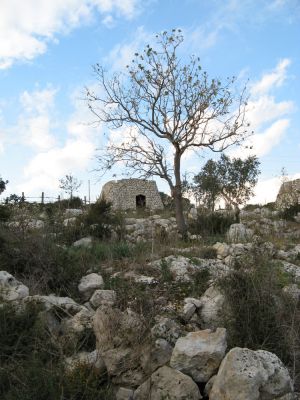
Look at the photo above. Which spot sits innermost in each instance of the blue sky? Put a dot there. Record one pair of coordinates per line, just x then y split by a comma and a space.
47, 50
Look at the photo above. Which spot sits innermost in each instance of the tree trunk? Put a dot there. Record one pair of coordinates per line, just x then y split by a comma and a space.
177, 196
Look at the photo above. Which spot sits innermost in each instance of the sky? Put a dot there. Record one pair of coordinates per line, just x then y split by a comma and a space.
47, 53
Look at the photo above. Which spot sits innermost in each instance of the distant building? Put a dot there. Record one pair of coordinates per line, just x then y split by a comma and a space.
130, 194
289, 194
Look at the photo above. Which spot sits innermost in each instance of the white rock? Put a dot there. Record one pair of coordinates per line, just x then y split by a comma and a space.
92, 359
36, 224
84, 242
199, 354
167, 329
10, 288
292, 291
65, 303
252, 375
188, 311
69, 221
73, 212
239, 233
124, 394
167, 383
197, 302
212, 307
103, 297
89, 283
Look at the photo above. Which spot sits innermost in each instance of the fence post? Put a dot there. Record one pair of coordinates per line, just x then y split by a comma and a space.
85, 200
23, 197
43, 197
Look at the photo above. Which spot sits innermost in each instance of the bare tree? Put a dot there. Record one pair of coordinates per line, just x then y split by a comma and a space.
166, 105
69, 184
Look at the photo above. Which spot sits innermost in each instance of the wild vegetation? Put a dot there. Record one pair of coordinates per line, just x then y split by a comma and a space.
33, 354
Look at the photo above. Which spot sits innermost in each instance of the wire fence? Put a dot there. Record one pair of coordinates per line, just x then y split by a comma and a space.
42, 199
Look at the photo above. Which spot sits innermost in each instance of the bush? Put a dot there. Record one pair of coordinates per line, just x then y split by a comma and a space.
42, 264
290, 212
101, 220
32, 362
212, 223
5, 213
74, 202
259, 315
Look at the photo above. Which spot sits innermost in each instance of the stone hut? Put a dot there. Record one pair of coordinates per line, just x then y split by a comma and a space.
289, 194
130, 194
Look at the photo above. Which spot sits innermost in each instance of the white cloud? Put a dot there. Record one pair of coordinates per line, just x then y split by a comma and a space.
271, 80
262, 143
45, 169
263, 110
122, 54
35, 122
27, 27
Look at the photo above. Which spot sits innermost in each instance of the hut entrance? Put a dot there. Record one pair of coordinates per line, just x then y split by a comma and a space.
140, 201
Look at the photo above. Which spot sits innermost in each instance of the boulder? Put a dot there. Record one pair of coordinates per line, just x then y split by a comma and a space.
73, 212
212, 307
66, 304
124, 393
199, 354
89, 283
69, 221
156, 355
167, 383
84, 242
92, 359
239, 233
252, 375
167, 329
10, 288
103, 297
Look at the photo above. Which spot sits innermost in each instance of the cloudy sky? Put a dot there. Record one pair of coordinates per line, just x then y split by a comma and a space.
47, 49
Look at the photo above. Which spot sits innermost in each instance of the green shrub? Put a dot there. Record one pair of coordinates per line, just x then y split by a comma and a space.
5, 213
101, 220
32, 362
290, 212
212, 223
259, 315
41, 264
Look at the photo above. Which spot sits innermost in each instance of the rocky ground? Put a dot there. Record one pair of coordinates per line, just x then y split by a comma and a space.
215, 318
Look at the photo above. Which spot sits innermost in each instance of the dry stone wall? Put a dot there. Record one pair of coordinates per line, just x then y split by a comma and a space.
128, 194
289, 194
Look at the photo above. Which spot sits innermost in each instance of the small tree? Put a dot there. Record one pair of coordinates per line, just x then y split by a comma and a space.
233, 179
69, 184
2, 185
207, 185
167, 108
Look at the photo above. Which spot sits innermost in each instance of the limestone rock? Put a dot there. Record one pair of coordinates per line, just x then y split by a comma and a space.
89, 283
92, 359
212, 306
103, 297
10, 288
124, 394
64, 303
73, 212
156, 356
239, 233
199, 354
69, 221
167, 329
84, 242
167, 383
188, 311
252, 375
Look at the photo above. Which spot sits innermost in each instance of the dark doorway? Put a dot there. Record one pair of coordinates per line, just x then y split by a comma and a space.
140, 201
